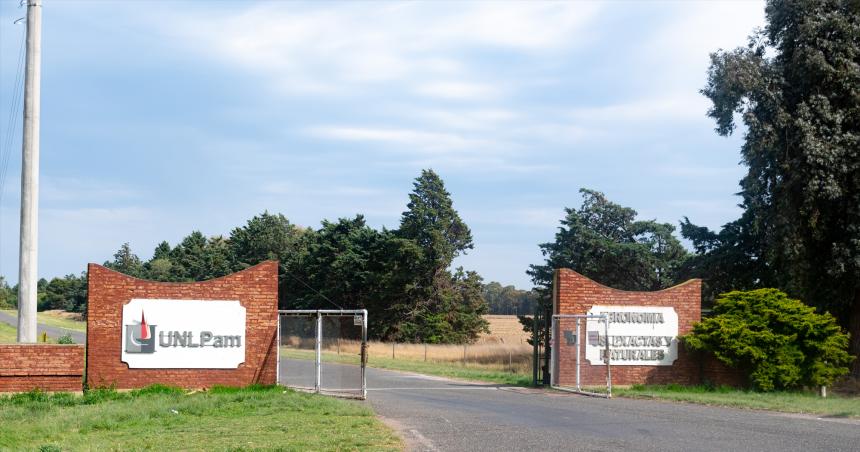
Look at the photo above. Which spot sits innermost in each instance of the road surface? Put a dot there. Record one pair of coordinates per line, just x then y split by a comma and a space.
438, 414
54, 332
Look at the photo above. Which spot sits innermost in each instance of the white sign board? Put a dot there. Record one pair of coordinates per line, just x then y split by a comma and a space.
638, 336
183, 334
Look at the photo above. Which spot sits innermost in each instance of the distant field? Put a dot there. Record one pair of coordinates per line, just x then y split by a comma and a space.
504, 329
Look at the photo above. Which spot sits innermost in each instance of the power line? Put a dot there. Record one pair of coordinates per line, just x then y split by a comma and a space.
11, 125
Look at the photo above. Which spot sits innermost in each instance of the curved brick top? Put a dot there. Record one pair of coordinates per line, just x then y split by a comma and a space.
256, 288
586, 280
574, 293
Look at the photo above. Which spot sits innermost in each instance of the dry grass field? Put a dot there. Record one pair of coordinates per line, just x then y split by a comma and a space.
504, 329
504, 349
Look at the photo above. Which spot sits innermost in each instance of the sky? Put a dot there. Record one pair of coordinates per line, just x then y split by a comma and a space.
164, 117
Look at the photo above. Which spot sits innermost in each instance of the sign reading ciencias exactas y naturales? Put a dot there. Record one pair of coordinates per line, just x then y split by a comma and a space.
638, 335
183, 334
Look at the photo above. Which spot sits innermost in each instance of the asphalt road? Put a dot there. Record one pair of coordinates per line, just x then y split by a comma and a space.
53, 331
438, 414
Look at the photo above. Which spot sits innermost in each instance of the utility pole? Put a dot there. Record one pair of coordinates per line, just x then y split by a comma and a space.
29, 248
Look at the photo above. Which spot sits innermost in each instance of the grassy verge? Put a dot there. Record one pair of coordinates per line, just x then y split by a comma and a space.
161, 418
54, 319
791, 402
8, 334
451, 370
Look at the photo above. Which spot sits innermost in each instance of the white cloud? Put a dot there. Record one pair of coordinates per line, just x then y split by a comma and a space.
68, 189
490, 119
667, 107
318, 48
404, 139
459, 90
287, 188
698, 172
679, 52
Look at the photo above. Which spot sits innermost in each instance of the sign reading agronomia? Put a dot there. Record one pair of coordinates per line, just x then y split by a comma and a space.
183, 334
638, 335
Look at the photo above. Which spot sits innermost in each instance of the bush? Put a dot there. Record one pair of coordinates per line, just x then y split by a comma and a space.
779, 342
65, 339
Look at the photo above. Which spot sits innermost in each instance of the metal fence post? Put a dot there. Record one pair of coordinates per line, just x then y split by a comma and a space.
554, 351
278, 349
364, 354
578, 386
608, 358
317, 381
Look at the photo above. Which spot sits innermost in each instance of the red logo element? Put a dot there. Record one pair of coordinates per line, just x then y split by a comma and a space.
144, 329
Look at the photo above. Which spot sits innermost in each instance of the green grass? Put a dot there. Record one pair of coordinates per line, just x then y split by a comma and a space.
791, 402
430, 368
51, 319
8, 334
162, 418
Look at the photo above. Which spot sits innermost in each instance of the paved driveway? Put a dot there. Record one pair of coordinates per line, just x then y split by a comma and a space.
438, 414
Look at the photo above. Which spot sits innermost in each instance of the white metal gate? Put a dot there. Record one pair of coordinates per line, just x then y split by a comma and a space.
323, 351
567, 341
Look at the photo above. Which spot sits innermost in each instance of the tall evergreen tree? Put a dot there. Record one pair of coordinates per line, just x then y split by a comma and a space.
125, 261
795, 86
604, 241
431, 221
440, 303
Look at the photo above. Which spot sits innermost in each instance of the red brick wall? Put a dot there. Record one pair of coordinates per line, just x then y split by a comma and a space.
717, 373
576, 294
256, 289
24, 367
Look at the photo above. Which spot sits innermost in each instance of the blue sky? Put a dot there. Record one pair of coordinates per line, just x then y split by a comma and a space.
159, 118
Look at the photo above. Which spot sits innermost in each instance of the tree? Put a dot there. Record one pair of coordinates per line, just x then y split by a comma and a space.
729, 260
126, 262
336, 269
795, 88
68, 293
160, 268
779, 342
197, 258
508, 299
441, 305
8, 295
604, 241
266, 237
431, 221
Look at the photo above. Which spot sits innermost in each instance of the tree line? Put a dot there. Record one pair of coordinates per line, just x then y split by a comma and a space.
403, 276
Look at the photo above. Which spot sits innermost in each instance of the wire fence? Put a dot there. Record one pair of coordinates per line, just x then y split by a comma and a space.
512, 358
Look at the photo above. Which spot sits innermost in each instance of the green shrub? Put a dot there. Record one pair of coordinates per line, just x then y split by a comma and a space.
65, 339
779, 342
